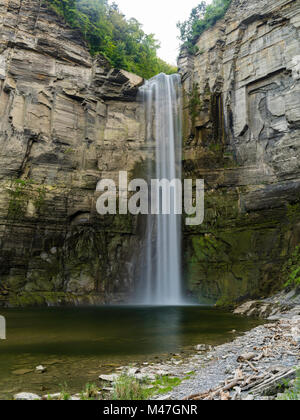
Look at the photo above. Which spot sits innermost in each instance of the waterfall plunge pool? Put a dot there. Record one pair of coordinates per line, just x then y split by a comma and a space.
78, 344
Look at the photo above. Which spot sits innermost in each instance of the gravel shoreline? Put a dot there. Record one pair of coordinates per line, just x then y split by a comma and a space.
272, 349
220, 366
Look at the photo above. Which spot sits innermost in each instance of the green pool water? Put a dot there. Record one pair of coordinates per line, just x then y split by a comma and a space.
77, 344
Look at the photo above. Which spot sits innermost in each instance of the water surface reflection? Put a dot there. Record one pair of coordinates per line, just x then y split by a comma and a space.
77, 344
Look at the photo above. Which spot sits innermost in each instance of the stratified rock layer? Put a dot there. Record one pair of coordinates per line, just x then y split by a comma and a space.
242, 135
66, 121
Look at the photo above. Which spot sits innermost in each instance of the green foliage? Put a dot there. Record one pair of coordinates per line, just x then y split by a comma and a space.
293, 391
65, 394
127, 388
165, 384
19, 197
194, 102
39, 199
293, 212
201, 18
69, 151
291, 269
225, 302
122, 41
91, 392
20, 193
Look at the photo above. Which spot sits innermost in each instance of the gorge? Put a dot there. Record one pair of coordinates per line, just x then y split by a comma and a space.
68, 119
242, 137
105, 299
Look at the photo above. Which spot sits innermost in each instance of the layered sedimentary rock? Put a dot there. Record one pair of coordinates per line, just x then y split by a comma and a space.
242, 135
66, 121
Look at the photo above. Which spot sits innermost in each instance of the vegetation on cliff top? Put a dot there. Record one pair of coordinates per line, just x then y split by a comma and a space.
106, 30
201, 18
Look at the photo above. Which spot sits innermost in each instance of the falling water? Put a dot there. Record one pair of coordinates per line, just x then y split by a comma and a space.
161, 282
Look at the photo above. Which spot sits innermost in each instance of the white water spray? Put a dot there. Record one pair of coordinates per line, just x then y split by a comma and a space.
161, 282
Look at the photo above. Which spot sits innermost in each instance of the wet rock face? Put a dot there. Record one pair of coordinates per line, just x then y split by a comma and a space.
242, 135
66, 121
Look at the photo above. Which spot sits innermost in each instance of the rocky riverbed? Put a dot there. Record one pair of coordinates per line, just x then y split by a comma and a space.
251, 367
255, 365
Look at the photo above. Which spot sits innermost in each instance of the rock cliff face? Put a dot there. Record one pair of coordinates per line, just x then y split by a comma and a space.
242, 135
66, 121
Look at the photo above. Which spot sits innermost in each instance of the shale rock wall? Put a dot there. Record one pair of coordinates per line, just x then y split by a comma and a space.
66, 121
242, 135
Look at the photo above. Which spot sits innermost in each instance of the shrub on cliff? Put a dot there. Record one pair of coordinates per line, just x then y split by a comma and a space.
106, 30
201, 18
291, 269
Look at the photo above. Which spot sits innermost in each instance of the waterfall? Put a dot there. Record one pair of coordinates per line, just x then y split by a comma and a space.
161, 278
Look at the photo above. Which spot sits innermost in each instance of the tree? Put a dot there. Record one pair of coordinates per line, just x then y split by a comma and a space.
201, 18
122, 41
187, 28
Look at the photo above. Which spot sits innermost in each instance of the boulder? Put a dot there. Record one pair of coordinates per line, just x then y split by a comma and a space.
109, 378
26, 396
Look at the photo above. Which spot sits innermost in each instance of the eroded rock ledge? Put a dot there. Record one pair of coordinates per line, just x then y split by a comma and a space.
242, 135
66, 121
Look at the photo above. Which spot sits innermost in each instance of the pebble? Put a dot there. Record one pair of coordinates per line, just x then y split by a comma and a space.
40, 369
202, 347
133, 371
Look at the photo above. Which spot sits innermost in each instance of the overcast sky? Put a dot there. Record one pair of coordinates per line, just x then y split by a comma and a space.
160, 17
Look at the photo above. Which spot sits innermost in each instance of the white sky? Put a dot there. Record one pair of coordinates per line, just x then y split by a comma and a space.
160, 17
